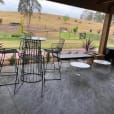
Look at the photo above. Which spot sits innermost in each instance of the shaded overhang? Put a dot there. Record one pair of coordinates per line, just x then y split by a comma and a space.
106, 6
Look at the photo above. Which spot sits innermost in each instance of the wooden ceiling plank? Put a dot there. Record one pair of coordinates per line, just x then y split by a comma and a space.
106, 1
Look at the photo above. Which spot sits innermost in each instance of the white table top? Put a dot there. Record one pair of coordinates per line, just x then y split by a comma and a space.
35, 38
80, 65
38, 38
103, 62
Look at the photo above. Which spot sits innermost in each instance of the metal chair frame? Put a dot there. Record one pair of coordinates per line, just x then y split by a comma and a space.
3, 52
55, 51
32, 61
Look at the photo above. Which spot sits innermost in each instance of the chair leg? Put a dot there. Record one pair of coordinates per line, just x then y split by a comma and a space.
15, 85
59, 67
43, 84
55, 67
17, 81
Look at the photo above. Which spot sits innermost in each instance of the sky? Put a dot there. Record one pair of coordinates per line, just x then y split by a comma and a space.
47, 7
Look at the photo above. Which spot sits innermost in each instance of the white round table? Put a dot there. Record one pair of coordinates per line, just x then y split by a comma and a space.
38, 38
103, 62
80, 65
101, 66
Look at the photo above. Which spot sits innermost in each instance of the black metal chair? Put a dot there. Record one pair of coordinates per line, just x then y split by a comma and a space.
55, 51
31, 61
8, 74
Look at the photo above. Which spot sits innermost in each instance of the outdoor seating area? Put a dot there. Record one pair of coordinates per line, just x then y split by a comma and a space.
80, 89
57, 64
91, 93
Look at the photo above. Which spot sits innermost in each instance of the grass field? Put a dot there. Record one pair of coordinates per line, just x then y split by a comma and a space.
72, 42
51, 25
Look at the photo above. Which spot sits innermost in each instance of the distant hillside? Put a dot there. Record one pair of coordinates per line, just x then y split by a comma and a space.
53, 21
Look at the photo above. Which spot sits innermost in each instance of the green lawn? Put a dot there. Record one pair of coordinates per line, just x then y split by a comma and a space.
74, 36
71, 40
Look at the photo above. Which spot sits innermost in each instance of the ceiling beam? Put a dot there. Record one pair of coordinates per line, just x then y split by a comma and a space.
105, 33
87, 4
105, 1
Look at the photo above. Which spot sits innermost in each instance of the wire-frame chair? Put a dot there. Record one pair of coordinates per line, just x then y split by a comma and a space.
31, 61
55, 51
9, 74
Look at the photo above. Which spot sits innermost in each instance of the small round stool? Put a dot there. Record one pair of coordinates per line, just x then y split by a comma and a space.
80, 65
101, 66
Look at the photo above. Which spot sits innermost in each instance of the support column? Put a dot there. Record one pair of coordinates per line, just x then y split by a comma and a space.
105, 33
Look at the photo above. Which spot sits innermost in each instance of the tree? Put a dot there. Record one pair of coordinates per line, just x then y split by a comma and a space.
66, 18
98, 17
75, 30
87, 15
26, 8
90, 15
1, 1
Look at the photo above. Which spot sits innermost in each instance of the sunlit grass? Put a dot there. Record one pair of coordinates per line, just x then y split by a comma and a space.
14, 42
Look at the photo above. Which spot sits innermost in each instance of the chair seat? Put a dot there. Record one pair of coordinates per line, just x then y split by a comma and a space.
52, 50
7, 50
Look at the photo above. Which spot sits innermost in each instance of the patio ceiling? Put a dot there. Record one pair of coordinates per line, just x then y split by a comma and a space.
105, 6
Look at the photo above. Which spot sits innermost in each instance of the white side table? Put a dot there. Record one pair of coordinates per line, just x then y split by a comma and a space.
103, 62
80, 65
101, 65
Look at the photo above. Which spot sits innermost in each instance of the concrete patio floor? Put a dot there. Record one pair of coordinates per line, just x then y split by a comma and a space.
91, 93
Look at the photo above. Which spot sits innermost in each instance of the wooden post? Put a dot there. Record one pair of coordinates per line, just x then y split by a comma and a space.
105, 33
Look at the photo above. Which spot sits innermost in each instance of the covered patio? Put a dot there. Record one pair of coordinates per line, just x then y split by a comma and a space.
91, 93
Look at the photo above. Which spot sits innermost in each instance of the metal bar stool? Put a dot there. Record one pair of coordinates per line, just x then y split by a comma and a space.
31, 61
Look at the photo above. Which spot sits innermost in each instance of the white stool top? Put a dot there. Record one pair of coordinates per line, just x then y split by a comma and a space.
80, 64
103, 62
39, 38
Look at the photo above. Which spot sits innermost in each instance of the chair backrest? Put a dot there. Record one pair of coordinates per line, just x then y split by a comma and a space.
30, 47
58, 46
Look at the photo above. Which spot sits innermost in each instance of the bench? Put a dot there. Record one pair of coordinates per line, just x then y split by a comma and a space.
75, 56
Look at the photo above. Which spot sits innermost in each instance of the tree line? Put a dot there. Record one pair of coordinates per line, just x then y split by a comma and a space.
92, 16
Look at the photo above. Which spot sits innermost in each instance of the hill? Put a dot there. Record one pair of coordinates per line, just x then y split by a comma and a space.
52, 21
48, 23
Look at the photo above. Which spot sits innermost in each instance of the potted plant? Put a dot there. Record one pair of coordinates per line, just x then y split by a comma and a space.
12, 60
88, 45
